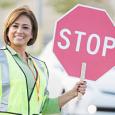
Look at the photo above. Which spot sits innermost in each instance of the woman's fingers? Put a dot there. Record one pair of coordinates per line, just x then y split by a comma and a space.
81, 87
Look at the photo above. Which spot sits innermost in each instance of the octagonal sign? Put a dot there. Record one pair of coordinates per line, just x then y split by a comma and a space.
85, 35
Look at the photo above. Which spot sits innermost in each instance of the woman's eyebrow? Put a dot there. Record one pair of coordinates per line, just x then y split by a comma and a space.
22, 24
27, 25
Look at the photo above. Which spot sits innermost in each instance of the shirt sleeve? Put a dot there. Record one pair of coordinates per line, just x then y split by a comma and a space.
51, 106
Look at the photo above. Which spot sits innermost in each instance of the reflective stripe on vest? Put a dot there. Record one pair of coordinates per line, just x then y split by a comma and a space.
42, 69
5, 82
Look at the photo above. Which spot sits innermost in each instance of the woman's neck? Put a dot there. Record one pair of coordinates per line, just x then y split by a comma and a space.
21, 51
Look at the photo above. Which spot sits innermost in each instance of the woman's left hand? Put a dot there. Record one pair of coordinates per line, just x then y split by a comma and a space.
80, 87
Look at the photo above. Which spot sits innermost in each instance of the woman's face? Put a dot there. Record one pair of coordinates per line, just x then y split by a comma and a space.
20, 32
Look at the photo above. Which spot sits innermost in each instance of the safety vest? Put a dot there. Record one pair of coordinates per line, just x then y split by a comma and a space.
14, 99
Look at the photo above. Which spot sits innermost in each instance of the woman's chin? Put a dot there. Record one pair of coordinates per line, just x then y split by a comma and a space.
19, 44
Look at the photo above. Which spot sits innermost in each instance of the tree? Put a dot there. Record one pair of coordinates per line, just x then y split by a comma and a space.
62, 6
7, 3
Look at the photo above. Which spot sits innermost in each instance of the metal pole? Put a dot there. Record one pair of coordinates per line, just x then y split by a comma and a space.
40, 12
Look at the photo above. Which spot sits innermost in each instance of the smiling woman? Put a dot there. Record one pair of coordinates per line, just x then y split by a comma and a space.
23, 83
20, 32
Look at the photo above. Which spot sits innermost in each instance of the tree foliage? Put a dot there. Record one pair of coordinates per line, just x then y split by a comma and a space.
7, 3
63, 6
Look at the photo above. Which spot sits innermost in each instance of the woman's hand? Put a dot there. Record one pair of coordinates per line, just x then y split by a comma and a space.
80, 87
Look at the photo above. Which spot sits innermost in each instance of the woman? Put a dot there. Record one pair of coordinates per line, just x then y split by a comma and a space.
23, 83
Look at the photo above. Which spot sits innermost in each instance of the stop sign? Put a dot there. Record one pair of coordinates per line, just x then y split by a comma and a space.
85, 35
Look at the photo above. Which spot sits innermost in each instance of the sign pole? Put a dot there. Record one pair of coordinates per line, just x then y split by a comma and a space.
82, 77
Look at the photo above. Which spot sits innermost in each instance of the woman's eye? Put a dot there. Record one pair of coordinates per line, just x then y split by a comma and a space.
15, 26
25, 27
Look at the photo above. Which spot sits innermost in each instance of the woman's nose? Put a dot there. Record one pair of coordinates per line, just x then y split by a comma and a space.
19, 30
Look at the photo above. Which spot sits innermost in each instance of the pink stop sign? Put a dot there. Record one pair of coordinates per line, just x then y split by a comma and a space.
85, 35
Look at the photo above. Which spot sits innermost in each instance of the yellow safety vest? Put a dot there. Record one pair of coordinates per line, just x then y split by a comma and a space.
13, 87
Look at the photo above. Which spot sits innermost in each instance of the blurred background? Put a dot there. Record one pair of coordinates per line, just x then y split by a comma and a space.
47, 12
100, 96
